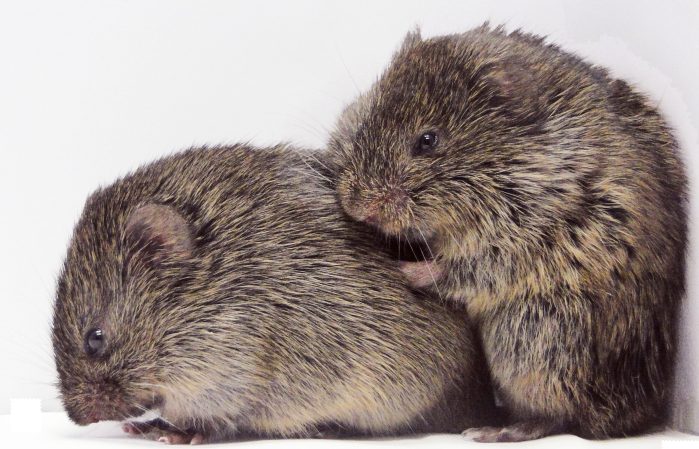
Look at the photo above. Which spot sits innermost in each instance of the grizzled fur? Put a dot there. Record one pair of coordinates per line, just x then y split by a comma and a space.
554, 205
235, 299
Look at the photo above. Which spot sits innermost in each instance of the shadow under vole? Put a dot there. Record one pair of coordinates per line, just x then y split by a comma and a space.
554, 204
224, 288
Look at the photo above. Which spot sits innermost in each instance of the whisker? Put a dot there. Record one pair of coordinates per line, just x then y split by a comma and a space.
169, 423
306, 127
434, 280
316, 175
412, 250
161, 417
312, 156
349, 74
320, 175
318, 123
146, 384
426, 244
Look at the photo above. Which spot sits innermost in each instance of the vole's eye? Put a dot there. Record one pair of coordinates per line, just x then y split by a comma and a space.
94, 342
425, 143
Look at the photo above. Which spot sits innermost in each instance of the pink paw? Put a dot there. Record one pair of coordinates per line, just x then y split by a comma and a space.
131, 429
421, 274
181, 438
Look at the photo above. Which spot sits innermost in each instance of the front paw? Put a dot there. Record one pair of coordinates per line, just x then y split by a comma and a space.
421, 274
165, 433
144, 428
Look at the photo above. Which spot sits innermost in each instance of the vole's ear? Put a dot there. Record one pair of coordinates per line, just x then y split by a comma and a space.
514, 90
156, 234
411, 39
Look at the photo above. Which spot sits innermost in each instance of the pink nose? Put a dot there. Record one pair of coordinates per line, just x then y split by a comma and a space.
91, 416
373, 210
97, 412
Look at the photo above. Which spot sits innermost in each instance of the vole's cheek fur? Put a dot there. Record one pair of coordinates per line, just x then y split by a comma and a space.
559, 220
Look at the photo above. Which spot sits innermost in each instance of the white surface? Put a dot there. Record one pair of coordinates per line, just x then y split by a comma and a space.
56, 431
90, 89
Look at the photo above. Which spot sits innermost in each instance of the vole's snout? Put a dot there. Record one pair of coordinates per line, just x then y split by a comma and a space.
105, 408
91, 413
104, 401
383, 209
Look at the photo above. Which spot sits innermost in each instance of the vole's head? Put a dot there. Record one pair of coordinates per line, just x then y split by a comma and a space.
446, 136
117, 321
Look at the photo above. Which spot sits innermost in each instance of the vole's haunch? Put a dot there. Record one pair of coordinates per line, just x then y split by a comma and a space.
223, 288
554, 203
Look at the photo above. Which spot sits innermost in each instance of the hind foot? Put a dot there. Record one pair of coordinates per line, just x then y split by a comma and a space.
181, 438
521, 431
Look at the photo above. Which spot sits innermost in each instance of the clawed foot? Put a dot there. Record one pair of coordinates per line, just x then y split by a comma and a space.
421, 274
165, 433
523, 431
132, 428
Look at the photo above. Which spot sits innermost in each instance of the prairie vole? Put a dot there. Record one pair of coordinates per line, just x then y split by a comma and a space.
553, 201
224, 289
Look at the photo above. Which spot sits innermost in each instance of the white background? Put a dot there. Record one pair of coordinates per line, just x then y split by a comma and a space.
92, 89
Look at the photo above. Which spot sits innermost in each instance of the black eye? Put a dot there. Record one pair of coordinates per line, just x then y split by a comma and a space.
94, 342
425, 143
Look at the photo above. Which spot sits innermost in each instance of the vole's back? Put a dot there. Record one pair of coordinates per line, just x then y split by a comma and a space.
616, 233
346, 340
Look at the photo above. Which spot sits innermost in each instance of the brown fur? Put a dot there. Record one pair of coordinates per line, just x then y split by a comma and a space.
235, 298
554, 206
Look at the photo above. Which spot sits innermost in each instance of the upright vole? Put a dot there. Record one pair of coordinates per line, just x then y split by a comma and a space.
223, 290
553, 201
